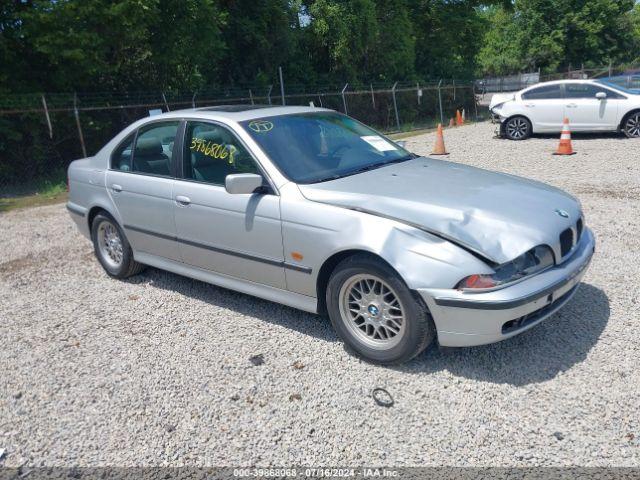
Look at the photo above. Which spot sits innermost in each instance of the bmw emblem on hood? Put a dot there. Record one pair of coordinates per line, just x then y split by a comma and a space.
562, 213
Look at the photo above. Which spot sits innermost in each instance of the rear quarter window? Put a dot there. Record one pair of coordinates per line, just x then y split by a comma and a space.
121, 156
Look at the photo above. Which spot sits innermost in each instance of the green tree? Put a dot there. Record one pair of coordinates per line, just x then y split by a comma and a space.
395, 55
342, 37
447, 37
131, 44
500, 52
556, 34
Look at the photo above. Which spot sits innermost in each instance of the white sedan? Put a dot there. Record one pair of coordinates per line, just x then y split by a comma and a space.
590, 106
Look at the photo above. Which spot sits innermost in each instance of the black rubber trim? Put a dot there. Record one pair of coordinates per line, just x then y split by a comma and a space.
246, 256
76, 210
508, 304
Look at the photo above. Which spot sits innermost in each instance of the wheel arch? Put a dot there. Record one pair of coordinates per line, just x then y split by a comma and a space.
626, 116
330, 264
93, 211
519, 114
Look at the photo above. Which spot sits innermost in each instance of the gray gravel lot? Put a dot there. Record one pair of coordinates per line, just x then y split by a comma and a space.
156, 370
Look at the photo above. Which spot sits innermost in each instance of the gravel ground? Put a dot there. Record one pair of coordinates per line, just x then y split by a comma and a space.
156, 370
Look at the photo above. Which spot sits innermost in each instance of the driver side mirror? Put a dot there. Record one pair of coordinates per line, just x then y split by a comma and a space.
243, 183
601, 96
401, 143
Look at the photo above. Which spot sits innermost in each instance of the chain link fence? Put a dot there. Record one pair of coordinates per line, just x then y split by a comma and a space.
41, 133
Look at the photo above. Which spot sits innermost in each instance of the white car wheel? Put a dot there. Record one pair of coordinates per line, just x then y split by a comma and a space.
517, 128
632, 125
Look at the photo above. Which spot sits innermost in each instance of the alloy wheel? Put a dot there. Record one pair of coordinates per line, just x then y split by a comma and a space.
110, 244
632, 126
517, 128
372, 311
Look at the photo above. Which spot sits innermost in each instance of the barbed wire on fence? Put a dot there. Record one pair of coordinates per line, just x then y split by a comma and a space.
41, 133
627, 75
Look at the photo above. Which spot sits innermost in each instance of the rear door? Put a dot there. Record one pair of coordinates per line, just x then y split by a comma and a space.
544, 106
233, 234
588, 113
140, 182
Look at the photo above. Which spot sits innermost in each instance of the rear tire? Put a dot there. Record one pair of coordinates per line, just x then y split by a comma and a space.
112, 247
631, 125
517, 128
375, 313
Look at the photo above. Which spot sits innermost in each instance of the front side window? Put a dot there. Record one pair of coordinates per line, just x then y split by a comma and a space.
314, 147
154, 149
582, 90
211, 152
548, 92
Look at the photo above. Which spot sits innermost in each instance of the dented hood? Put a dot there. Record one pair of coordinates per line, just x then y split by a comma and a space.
499, 98
496, 215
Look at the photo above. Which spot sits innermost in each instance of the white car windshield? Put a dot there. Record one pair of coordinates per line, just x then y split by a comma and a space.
632, 91
316, 147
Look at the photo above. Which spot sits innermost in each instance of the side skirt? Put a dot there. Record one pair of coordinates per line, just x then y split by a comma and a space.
291, 299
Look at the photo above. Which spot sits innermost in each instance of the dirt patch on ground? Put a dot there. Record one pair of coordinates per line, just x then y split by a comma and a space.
18, 264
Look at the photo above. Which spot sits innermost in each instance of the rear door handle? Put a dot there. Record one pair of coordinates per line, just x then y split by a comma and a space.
529, 105
182, 200
572, 105
116, 188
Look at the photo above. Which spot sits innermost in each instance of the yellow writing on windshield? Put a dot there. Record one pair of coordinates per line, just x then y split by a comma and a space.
214, 150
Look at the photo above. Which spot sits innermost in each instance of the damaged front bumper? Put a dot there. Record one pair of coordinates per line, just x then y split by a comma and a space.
465, 318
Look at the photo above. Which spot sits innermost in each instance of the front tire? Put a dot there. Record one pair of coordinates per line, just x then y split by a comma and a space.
112, 247
517, 128
374, 312
631, 126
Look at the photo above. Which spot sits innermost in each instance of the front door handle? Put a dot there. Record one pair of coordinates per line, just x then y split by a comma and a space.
116, 188
182, 200
572, 105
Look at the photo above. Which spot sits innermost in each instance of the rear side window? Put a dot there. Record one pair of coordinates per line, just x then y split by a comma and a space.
154, 149
211, 152
547, 92
121, 157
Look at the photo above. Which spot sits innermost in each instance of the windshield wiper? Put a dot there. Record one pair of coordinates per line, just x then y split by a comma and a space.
367, 168
374, 166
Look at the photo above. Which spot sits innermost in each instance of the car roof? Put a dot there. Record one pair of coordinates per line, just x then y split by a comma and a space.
237, 113
566, 80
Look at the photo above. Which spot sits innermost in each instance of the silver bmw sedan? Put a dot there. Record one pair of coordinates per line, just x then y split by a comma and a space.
312, 209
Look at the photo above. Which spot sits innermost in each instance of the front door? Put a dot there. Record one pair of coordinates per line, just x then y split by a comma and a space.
140, 183
233, 234
544, 106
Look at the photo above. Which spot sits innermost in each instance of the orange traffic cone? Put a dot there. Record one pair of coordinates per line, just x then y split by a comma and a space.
452, 123
459, 120
565, 147
439, 149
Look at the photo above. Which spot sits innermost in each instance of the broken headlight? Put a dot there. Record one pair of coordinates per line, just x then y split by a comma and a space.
535, 260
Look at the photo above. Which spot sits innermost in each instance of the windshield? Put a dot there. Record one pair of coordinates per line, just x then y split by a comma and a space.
314, 147
618, 87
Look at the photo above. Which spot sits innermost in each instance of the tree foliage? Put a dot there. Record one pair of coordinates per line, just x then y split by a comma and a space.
88, 45
557, 34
